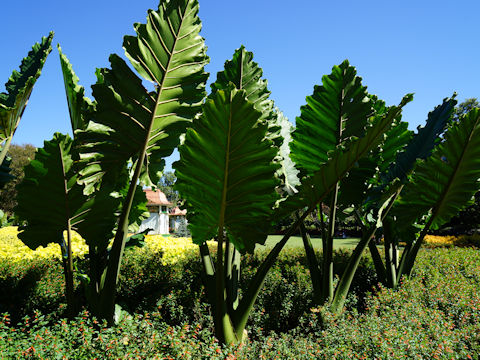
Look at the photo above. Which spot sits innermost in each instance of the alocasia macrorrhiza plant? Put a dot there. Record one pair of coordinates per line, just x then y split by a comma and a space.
228, 174
132, 125
377, 185
338, 110
120, 140
435, 167
440, 187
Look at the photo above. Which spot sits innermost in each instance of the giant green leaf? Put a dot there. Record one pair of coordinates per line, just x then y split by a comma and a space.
79, 106
245, 74
98, 228
131, 122
338, 110
315, 187
446, 182
395, 141
49, 198
419, 147
354, 186
19, 87
226, 171
288, 173
104, 208
423, 142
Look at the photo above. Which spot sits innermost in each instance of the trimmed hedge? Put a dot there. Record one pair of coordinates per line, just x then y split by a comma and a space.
175, 290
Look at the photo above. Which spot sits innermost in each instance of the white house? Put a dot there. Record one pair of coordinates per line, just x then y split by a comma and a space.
159, 208
164, 216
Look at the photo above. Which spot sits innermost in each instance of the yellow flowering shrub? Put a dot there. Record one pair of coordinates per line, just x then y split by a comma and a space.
434, 241
449, 240
171, 249
12, 247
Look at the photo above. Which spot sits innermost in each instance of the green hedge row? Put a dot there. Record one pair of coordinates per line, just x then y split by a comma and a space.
176, 292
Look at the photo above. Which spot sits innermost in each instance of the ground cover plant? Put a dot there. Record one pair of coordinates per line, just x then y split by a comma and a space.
433, 314
242, 168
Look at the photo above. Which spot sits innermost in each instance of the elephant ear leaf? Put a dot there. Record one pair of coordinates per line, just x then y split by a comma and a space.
395, 141
355, 187
445, 183
288, 173
246, 75
316, 187
19, 87
131, 123
338, 110
104, 204
226, 172
423, 142
104, 208
49, 198
79, 106
418, 148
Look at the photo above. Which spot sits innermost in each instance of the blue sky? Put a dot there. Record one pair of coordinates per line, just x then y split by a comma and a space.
426, 47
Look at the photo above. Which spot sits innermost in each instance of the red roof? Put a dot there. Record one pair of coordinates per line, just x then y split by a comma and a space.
156, 197
176, 211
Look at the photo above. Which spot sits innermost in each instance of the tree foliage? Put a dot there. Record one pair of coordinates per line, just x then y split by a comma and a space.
20, 155
165, 185
464, 107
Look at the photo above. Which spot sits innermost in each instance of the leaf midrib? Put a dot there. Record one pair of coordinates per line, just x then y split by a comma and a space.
160, 91
221, 221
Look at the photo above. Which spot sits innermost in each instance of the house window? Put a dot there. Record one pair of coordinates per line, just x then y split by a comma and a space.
164, 209
152, 209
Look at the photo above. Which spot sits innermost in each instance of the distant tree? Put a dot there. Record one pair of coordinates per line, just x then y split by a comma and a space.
465, 107
182, 230
165, 185
21, 156
467, 221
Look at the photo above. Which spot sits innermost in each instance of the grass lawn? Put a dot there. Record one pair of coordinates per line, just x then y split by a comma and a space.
296, 242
